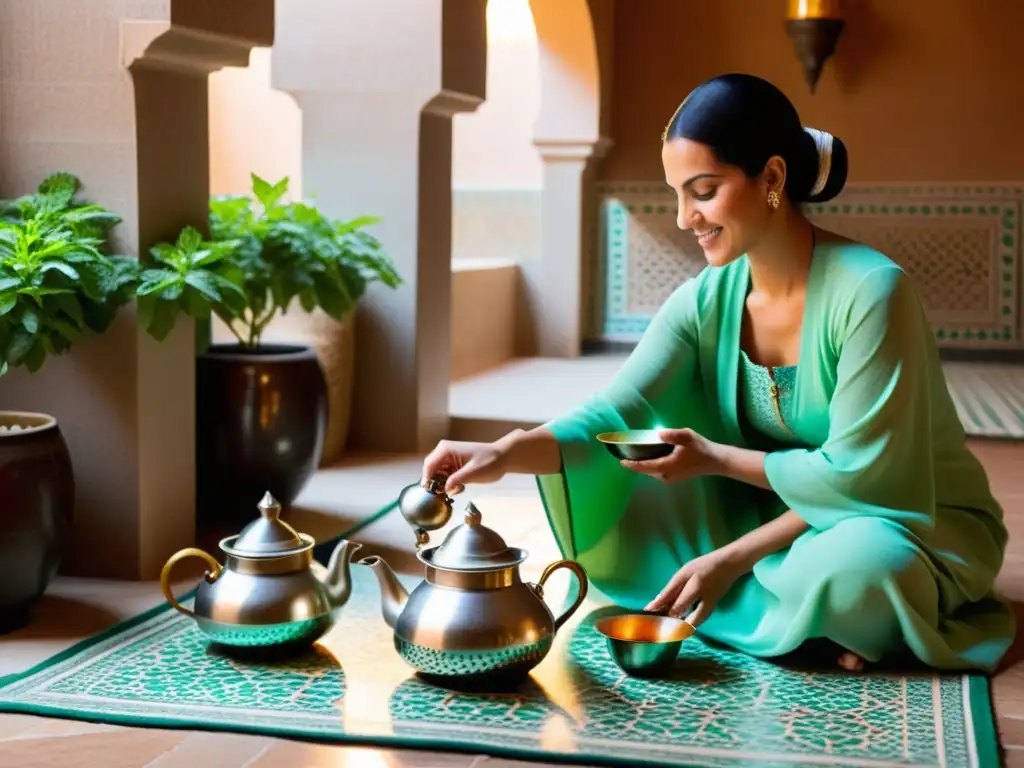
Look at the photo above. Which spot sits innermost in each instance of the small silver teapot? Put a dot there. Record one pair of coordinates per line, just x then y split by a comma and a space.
473, 620
270, 591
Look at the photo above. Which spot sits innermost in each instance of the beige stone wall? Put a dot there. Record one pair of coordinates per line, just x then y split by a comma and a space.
114, 91
254, 128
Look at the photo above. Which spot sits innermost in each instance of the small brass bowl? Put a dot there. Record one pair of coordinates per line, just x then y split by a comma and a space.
635, 444
644, 644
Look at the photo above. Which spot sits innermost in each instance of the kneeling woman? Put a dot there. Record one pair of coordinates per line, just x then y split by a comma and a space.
820, 486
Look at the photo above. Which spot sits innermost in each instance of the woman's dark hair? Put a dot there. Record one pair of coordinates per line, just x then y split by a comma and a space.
746, 120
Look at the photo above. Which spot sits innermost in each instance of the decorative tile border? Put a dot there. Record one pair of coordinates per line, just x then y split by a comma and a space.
986, 216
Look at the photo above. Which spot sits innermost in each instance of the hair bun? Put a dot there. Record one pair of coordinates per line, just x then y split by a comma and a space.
830, 163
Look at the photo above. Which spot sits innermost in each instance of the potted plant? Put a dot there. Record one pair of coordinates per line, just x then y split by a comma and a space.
56, 283
262, 408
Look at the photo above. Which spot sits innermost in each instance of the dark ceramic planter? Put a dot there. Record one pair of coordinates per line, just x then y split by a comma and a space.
261, 415
37, 500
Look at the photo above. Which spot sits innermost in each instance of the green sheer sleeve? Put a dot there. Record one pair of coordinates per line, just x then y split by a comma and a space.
631, 531
876, 460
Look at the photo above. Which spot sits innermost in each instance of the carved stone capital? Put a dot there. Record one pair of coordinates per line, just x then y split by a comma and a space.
567, 150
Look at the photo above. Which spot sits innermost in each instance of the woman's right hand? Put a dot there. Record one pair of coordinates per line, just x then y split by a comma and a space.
465, 463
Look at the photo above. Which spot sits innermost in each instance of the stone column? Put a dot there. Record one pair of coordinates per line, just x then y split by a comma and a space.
378, 82
561, 284
114, 91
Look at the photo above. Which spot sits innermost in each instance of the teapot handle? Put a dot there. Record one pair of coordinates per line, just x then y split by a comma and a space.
581, 578
165, 574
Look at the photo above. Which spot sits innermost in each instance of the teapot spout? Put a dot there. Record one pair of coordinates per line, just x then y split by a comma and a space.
337, 578
392, 594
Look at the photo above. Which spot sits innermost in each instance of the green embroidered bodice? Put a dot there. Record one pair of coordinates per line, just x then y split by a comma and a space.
757, 403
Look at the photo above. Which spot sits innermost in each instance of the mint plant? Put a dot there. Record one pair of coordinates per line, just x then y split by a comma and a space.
290, 250
56, 281
190, 276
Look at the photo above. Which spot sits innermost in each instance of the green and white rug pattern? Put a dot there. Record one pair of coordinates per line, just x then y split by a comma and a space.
719, 708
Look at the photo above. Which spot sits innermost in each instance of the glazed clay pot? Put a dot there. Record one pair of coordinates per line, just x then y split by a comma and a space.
37, 499
260, 420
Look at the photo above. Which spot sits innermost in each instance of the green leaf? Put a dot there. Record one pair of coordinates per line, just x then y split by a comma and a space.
197, 305
268, 194
189, 240
92, 220
65, 329
30, 320
332, 298
20, 345
156, 283
35, 356
65, 269
156, 273
307, 299
70, 306
161, 319
173, 292
82, 256
165, 253
202, 281
229, 290
58, 190
344, 228
56, 279
145, 308
60, 183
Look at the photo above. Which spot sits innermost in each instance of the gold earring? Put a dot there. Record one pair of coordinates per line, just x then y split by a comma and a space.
773, 199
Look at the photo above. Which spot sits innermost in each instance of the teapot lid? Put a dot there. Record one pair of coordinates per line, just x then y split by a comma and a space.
268, 535
473, 546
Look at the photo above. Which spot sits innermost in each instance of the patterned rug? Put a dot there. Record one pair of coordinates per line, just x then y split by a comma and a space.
718, 708
989, 398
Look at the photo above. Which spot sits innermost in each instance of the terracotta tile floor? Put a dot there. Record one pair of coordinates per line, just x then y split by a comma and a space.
32, 742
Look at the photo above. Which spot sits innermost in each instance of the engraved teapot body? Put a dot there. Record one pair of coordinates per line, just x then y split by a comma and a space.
472, 620
269, 592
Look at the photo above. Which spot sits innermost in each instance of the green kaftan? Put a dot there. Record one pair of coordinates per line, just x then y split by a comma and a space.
905, 537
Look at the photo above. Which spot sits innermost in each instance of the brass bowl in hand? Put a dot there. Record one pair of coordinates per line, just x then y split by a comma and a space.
635, 444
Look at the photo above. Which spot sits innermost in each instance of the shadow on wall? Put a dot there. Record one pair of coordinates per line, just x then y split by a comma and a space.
864, 41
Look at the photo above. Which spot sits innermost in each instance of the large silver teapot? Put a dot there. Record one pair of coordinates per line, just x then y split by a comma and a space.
473, 619
270, 592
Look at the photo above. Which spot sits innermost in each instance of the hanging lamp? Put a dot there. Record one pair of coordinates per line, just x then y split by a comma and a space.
814, 26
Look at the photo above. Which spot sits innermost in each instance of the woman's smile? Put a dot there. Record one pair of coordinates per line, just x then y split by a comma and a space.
707, 236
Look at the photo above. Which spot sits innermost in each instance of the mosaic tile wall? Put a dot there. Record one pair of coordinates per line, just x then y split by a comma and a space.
962, 245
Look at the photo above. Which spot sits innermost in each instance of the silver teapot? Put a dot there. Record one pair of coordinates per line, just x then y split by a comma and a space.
270, 592
473, 620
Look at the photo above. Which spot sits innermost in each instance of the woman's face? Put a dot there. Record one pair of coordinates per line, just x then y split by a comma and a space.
727, 211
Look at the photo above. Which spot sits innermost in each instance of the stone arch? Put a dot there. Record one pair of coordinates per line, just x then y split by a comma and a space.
569, 70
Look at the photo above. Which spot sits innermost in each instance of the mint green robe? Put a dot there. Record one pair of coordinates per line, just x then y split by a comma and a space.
905, 537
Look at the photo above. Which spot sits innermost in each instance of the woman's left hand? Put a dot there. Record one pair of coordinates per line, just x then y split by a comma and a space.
704, 581
693, 456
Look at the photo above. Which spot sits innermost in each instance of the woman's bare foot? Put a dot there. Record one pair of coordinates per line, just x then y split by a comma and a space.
851, 662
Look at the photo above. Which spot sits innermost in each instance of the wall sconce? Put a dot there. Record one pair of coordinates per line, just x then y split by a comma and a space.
814, 27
